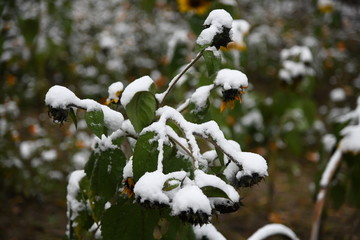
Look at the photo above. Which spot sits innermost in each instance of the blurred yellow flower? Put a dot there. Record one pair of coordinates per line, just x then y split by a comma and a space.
197, 6
325, 6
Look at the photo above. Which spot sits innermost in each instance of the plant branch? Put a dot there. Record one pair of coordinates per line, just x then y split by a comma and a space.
324, 183
177, 78
182, 147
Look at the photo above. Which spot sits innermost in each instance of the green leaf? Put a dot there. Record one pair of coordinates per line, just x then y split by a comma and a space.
176, 229
104, 171
198, 115
220, 155
145, 155
211, 191
212, 61
141, 110
95, 121
73, 116
176, 162
170, 185
128, 221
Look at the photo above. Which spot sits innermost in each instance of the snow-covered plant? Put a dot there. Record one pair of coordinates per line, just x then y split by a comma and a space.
296, 64
151, 170
340, 177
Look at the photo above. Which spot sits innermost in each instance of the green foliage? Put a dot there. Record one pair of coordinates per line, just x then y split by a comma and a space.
141, 110
212, 61
127, 221
145, 155
104, 171
95, 121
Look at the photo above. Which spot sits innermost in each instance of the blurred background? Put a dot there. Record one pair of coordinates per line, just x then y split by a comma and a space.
302, 61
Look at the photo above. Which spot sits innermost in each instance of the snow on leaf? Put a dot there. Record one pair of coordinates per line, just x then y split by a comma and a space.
142, 84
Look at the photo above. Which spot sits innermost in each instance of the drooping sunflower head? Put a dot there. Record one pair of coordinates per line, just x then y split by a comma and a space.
198, 6
230, 96
59, 115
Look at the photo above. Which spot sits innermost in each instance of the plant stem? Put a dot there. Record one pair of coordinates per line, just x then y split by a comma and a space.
173, 82
324, 183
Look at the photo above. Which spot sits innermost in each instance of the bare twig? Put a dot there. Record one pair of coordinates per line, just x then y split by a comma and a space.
177, 78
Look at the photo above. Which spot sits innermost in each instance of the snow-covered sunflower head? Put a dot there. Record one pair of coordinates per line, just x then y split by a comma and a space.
197, 6
115, 91
233, 84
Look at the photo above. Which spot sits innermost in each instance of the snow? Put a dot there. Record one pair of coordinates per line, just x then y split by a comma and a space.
329, 142
207, 231
200, 96
330, 168
60, 97
337, 95
209, 130
239, 29
49, 155
217, 20
128, 169
142, 84
301, 51
106, 40
73, 188
240, 26
114, 89
128, 127
190, 197
252, 163
207, 35
351, 139
103, 144
202, 179
112, 119
253, 118
231, 79
231, 170
79, 159
149, 187
273, 229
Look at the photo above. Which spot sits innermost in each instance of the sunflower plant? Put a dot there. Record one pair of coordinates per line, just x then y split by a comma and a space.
153, 174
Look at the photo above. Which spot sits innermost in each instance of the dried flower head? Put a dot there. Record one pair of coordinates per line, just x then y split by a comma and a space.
229, 96
59, 115
248, 180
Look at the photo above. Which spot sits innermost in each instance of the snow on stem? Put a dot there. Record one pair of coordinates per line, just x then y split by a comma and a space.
324, 183
271, 230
